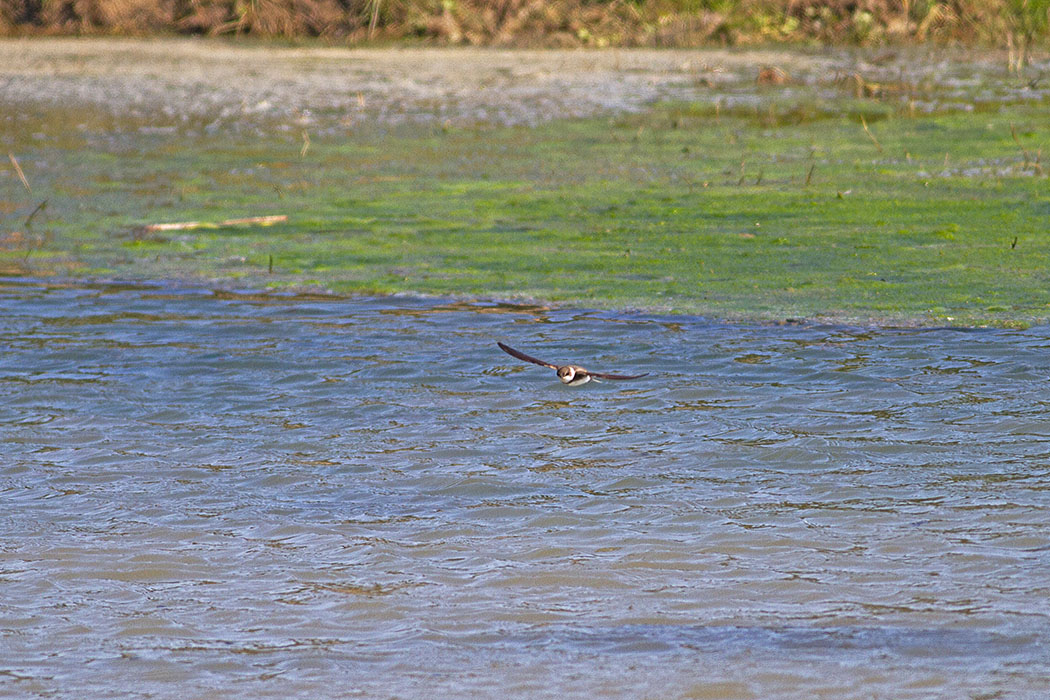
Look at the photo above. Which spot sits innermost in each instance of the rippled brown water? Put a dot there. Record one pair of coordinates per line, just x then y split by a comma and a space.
207, 495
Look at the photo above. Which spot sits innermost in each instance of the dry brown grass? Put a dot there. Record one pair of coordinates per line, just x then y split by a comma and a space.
1017, 24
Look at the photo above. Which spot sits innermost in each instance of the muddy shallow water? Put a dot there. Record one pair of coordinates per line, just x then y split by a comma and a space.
261, 497
174, 84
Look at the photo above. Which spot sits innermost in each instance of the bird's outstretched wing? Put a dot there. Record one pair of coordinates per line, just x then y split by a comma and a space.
616, 376
522, 356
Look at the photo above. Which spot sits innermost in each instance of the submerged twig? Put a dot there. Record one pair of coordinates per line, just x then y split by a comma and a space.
39, 208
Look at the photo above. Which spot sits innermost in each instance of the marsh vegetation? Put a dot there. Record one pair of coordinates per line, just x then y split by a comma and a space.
1018, 24
861, 188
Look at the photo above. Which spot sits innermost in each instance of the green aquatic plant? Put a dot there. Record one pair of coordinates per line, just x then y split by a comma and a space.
848, 209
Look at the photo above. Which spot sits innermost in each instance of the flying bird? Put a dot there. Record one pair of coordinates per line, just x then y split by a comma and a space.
573, 375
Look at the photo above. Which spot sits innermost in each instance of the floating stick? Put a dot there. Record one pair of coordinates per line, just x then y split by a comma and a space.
187, 225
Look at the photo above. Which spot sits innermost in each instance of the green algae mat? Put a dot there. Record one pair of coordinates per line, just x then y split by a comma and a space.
854, 203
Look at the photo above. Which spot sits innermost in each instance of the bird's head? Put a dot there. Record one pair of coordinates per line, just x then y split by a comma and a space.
566, 374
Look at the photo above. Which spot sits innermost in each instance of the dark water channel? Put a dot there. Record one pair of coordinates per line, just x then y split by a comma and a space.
215, 495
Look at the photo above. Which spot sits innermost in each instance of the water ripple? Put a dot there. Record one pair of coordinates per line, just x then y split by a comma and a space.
263, 496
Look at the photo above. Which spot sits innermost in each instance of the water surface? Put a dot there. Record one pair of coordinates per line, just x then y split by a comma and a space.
209, 494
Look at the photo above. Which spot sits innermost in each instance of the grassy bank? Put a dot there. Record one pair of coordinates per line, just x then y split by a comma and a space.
855, 205
1017, 24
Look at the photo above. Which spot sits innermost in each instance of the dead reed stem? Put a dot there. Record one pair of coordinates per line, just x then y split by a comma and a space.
864, 123
1029, 161
18, 169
